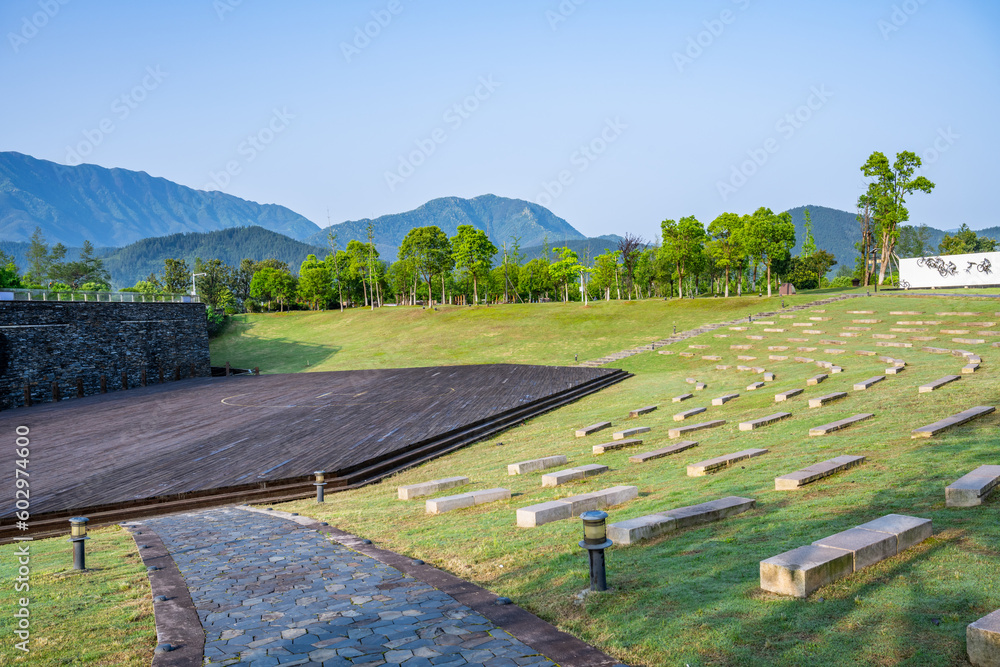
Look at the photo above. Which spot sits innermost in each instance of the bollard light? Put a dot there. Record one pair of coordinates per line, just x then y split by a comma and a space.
78, 535
320, 483
595, 541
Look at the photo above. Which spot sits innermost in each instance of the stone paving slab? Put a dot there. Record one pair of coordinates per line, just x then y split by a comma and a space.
702, 468
629, 432
533, 516
816, 379
269, 592
820, 401
937, 384
593, 428
840, 424
682, 430
682, 397
809, 474
606, 447
754, 386
572, 474
867, 384
763, 421
681, 416
449, 503
722, 400
411, 491
970, 490
663, 451
534, 465
647, 527
785, 395
641, 411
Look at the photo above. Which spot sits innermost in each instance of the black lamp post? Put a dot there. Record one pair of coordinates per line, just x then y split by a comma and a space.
595, 541
78, 535
320, 483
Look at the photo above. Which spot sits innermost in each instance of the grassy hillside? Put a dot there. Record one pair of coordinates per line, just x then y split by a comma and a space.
411, 336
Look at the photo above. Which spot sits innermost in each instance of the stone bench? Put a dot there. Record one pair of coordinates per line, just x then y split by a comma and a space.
411, 491
682, 397
861, 312
840, 424
769, 377
812, 332
701, 386
785, 395
702, 468
809, 474
969, 369
449, 503
982, 641
895, 370
681, 416
711, 357
764, 421
802, 571
647, 527
641, 411
816, 379
606, 447
776, 357
906, 312
969, 341
629, 432
970, 490
524, 467
777, 348
820, 401
682, 430
866, 321
865, 353
663, 451
849, 334
593, 428
937, 384
892, 344
722, 400
867, 384
565, 508
754, 386
572, 474
935, 350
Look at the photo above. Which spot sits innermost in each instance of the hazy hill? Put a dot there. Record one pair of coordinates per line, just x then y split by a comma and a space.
500, 217
114, 207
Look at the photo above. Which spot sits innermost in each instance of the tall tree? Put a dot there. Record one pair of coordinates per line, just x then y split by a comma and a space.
565, 270
473, 252
683, 241
808, 242
892, 185
769, 237
8, 271
430, 251
965, 241
725, 246
176, 276
629, 248
213, 287
38, 256
87, 269
534, 278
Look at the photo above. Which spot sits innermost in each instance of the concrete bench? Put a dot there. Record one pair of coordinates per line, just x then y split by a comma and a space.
776, 357
982, 641
937, 384
777, 348
629, 432
970, 490
663, 451
955, 420
686, 354
572, 474
785, 395
892, 344
650, 526
764, 421
754, 386
840, 424
895, 370
449, 503
711, 357
641, 411
802, 571
893, 361
935, 350
884, 336
861, 312
682, 397
955, 332
812, 332
774, 331
741, 347
809, 474
820, 319
606, 447
816, 379
906, 312
702, 468
411, 491
865, 353
681, 416
969, 369
698, 347
869, 383
722, 400
769, 377
683, 430
593, 428
866, 321
820, 401
755, 337
701, 386
849, 334
802, 324
969, 341
691, 380
823, 341
722, 367
565, 508
524, 467
833, 351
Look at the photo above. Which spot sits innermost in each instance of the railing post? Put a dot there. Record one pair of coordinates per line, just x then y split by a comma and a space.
79, 387
104, 384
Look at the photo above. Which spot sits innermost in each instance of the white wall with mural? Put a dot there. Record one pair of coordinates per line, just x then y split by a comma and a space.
971, 270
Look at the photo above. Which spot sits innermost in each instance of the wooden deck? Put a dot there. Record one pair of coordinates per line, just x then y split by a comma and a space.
209, 433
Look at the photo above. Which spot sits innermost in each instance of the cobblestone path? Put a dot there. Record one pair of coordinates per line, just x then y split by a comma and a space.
270, 592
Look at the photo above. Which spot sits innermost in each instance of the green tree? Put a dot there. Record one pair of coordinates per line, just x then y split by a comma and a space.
725, 246
87, 268
473, 253
534, 278
429, 252
8, 271
889, 188
769, 237
38, 256
270, 284
315, 286
176, 276
565, 270
361, 256
808, 243
965, 241
683, 240
604, 276
218, 277
913, 241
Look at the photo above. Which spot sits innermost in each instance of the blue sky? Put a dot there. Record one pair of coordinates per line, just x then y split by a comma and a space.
614, 115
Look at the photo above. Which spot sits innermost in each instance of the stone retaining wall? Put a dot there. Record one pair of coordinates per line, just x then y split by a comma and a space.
74, 344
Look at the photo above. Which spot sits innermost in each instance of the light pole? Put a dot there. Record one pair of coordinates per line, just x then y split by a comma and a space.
193, 276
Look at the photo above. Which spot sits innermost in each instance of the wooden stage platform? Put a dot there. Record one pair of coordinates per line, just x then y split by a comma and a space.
214, 433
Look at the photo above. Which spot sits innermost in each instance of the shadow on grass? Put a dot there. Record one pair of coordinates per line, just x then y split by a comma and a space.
281, 355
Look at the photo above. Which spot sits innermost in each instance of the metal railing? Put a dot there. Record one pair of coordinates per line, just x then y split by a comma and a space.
95, 297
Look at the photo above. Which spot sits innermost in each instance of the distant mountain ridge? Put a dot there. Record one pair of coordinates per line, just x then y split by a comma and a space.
115, 207
501, 218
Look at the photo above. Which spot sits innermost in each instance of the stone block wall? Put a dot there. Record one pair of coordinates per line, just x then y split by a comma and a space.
75, 344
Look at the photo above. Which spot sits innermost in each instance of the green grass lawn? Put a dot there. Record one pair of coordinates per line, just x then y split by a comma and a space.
102, 616
693, 597
394, 337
